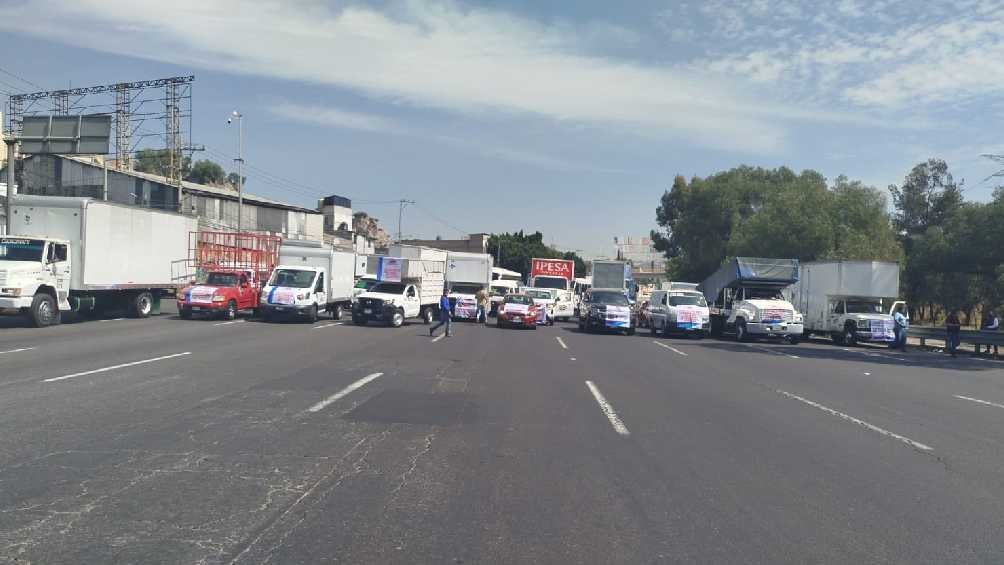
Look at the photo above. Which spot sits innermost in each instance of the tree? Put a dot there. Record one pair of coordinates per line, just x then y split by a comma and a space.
158, 162
928, 197
207, 172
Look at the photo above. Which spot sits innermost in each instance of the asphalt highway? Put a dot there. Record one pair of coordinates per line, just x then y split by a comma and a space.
171, 441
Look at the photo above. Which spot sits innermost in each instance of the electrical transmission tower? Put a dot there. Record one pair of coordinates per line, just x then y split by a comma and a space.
999, 159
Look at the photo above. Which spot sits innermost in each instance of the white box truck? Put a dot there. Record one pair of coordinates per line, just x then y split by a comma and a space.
85, 255
466, 274
848, 301
311, 278
745, 298
411, 282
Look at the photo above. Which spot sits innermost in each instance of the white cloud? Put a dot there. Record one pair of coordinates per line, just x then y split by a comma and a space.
336, 117
433, 54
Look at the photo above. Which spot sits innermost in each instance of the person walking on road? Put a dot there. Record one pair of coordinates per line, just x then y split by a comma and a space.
902, 323
952, 328
444, 315
990, 324
482, 297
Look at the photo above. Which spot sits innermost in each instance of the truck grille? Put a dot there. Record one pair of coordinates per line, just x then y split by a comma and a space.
371, 302
776, 315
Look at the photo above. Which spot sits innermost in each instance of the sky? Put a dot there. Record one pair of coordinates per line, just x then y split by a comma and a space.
567, 117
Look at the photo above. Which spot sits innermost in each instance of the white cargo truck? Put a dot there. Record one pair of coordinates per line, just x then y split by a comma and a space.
411, 282
745, 298
311, 278
83, 255
466, 274
848, 301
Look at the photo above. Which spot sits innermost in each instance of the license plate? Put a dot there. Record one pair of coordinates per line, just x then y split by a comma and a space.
367, 310
517, 319
196, 308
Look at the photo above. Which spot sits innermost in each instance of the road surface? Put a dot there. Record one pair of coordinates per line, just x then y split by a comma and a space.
170, 441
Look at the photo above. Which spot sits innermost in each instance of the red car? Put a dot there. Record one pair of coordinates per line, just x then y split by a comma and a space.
224, 294
518, 310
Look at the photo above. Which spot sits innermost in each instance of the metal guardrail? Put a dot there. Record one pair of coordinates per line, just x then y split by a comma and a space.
976, 338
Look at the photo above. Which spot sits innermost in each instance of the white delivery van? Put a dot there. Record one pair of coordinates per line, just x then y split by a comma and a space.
311, 278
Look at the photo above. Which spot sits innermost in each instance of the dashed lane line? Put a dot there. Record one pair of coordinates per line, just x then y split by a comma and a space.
978, 401
344, 392
561, 342
230, 322
849, 418
17, 350
114, 367
669, 347
608, 410
327, 325
435, 339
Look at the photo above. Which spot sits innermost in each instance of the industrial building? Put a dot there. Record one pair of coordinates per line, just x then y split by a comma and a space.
648, 264
474, 243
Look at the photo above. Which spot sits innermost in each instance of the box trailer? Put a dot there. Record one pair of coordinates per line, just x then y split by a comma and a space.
86, 255
466, 274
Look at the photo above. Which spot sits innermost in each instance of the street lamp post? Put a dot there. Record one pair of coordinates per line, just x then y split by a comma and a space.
239, 161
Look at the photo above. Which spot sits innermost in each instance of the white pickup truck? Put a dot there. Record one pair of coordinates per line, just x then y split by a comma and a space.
412, 280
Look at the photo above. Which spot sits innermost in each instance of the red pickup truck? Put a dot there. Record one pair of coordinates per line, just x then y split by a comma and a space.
225, 293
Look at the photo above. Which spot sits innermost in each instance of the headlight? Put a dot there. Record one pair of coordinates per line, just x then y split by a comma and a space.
865, 325
10, 291
302, 296
797, 318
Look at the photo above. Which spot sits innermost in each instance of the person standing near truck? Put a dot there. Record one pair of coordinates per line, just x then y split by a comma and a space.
952, 329
902, 323
990, 324
482, 313
444, 314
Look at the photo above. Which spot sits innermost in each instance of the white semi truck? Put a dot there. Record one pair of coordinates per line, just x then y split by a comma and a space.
311, 278
745, 299
411, 282
848, 301
83, 255
466, 274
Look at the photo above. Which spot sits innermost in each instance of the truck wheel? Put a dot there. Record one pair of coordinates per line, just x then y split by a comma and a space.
44, 311
397, 319
630, 331
793, 340
337, 312
652, 329
312, 318
849, 339
185, 313
142, 305
741, 334
427, 316
231, 312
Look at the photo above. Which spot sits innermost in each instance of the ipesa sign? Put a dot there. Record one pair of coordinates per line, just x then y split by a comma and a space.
563, 268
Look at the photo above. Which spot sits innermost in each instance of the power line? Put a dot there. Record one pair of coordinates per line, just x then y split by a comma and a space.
440, 220
24, 80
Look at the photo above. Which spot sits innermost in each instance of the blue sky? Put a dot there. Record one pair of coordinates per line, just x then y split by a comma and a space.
569, 117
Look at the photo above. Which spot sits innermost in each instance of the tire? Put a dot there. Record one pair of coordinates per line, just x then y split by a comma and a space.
312, 318
231, 312
793, 340
653, 330
849, 339
267, 317
630, 331
44, 311
837, 337
702, 335
397, 320
255, 313
427, 316
337, 312
498, 323
141, 305
359, 320
741, 335
534, 327
185, 313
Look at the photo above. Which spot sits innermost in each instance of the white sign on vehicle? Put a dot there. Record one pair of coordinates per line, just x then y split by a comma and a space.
618, 317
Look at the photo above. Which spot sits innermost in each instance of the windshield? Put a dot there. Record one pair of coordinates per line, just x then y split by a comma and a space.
365, 283
389, 288
540, 294
687, 300
500, 290
763, 294
292, 278
12, 249
551, 282
611, 298
222, 279
864, 307
519, 299
465, 288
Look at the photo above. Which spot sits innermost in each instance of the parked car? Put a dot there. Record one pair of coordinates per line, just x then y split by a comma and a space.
518, 310
606, 310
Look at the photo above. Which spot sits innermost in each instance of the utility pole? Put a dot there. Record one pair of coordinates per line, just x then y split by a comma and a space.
11, 142
240, 168
400, 213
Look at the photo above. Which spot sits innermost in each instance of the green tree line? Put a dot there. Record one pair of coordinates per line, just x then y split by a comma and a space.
203, 171
514, 251
950, 249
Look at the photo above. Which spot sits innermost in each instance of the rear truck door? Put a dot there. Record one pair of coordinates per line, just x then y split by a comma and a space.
412, 306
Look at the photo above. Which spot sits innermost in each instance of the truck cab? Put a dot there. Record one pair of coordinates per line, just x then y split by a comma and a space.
860, 319
223, 293
463, 300
758, 311
679, 311
564, 305
294, 292
390, 302
35, 277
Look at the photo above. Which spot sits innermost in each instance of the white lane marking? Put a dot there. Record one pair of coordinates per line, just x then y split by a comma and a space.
571, 359
978, 401
561, 342
17, 350
113, 320
435, 339
230, 322
113, 367
872, 354
344, 392
607, 409
862, 423
771, 351
868, 374
327, 325
669, 347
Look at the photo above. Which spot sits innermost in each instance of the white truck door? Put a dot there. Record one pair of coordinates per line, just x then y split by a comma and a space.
412, 305
59, 262
320, 291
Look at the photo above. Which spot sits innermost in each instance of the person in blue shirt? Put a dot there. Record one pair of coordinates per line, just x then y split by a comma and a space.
902, 322
444, 314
